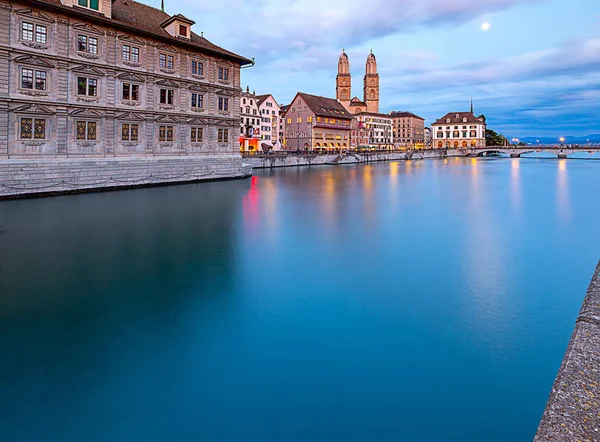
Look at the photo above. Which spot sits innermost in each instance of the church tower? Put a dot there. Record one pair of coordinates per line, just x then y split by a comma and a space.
371, 85
343, 81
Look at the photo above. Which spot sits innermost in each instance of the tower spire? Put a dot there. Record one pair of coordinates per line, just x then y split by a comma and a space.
162, 5
471, 105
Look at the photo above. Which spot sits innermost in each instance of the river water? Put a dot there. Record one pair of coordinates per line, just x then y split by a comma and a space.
427, 300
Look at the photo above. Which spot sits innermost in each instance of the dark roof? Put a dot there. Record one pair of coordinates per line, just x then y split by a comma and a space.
324, 107
457, 118
405, 115
261, 98
145, 19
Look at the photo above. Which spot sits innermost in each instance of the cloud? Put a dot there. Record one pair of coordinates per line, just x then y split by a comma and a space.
280, 28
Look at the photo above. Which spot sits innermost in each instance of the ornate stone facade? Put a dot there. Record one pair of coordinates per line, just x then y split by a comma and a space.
123, 80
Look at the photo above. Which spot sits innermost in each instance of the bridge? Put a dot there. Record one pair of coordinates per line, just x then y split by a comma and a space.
517, 151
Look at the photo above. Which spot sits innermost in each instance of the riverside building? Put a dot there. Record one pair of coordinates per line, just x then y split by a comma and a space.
409, 130
370, 102
316, 123
372, 130
102, 78
459, 130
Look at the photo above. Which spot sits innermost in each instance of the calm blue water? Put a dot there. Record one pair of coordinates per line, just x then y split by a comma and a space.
427, 300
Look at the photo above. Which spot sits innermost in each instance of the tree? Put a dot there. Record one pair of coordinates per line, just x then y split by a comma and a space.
493, 138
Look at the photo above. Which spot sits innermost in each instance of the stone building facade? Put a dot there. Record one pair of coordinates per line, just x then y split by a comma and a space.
112, 78
409, 130
370, 102
316, 123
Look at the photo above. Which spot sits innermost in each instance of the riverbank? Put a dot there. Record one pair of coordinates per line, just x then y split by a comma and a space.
292, 159
31, 178
572, 409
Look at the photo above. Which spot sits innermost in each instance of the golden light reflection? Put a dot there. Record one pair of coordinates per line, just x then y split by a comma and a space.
269, 207
474, 167
329, 196
515, 184
562, 192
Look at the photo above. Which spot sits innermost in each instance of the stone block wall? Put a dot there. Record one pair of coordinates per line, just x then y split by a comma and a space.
20, 178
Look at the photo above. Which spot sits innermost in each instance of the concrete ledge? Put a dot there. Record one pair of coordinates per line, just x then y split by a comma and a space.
573, 409
28, 178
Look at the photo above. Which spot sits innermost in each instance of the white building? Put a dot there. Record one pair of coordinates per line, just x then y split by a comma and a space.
378, 130
427, 136
270, 120
249, 122
458, 130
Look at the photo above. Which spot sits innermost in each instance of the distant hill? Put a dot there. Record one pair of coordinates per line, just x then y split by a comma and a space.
591, 139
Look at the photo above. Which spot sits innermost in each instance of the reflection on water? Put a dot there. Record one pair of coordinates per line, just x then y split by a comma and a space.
312, 304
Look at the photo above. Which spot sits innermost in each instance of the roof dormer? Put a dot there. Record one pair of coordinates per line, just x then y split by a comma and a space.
178, 26
94, 6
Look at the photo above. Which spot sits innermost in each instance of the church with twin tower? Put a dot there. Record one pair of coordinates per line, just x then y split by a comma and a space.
354, 105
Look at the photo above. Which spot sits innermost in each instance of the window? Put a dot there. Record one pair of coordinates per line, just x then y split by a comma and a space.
129, 132
183, 30
289, 121
299, 120
198, 101
166, 96
87, 44
131, 91
31, 32
223, 136
223, 104
196, 134
131, 53
33, 128
197, 68
166, 61
87, 86
224, 74
86, 130
165, 133
92, 4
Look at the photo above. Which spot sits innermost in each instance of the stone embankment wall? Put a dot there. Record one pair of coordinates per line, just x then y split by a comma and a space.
573, 409
292, 159
20, 178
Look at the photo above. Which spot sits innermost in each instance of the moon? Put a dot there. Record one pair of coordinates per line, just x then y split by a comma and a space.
485, 26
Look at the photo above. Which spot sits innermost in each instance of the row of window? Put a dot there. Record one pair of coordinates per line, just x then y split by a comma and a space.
85, 43
35, 79
457, 134
35, 129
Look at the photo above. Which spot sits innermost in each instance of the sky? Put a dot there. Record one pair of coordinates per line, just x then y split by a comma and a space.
535, 70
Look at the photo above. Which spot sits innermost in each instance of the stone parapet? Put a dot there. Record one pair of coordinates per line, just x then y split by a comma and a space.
573, 409
23, 178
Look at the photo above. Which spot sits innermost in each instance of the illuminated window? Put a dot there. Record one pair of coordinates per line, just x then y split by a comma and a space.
129, 132
196, 134
165, 133
33, 128
223, 136
86, 130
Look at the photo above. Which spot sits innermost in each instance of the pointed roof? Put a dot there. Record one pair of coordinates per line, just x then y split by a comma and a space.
458, 117
261, 98
324, 107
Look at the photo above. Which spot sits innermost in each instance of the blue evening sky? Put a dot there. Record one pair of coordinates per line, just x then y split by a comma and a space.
535, 72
